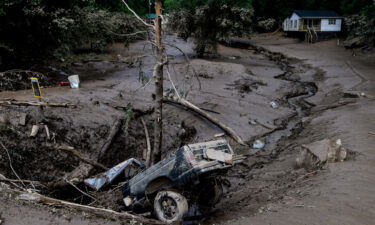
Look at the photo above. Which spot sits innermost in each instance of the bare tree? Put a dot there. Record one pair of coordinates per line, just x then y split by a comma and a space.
161, 60
158, 75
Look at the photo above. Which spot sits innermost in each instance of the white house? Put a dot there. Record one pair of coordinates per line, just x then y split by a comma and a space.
316, 20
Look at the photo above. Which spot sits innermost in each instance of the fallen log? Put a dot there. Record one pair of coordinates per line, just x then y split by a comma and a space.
115, 129
77, 176
35, 197
31, 103
207, 116
74, 152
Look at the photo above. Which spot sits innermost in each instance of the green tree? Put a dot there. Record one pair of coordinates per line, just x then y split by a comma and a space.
211, 23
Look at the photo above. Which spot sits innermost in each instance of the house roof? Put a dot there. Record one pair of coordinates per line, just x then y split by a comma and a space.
317, 14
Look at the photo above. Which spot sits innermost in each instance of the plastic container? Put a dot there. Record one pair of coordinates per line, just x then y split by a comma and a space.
74, 81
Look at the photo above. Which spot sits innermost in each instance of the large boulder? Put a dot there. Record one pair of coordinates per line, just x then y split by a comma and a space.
318, 153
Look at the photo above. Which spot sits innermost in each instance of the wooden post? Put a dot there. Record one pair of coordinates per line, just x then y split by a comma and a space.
158, 74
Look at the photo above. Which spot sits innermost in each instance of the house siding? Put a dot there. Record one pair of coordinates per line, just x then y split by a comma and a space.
292, 23
325, 26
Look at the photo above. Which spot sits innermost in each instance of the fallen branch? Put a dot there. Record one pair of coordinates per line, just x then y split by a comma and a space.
74, 152
263, 125
30, 103
96, 211
77, 176
115, 129
11, 166
170, 80
188, 62
147, 154
4, 179
202, 113
82, 192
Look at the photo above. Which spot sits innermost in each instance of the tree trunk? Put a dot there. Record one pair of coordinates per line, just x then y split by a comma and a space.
158, 74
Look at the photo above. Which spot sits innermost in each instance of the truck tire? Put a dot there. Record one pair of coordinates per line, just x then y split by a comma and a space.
170, 206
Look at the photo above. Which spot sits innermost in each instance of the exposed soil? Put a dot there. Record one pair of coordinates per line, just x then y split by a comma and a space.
237, 87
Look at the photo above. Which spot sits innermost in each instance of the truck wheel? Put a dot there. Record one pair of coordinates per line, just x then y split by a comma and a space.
170, 206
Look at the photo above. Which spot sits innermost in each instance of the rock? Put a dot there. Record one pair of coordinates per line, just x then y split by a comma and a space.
354, 42
258, 144
34, 130
4, 119
274, 105
320, 152
252, 122
22, 118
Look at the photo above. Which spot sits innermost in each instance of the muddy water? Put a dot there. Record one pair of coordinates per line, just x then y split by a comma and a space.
295, 100
287, 126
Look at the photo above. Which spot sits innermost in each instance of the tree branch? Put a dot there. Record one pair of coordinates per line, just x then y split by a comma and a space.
74, 152
202, 113
136, 15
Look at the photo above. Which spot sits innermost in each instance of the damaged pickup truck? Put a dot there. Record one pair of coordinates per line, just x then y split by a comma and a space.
190, 176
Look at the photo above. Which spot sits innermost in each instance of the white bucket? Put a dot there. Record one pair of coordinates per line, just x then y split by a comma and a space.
74, 81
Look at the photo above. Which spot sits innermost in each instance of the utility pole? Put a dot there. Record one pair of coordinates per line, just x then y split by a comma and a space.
158, 74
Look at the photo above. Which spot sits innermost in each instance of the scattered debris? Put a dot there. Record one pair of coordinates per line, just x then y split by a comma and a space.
219, 135
106, 178
252, 122
35, 197
256, 122
115, 129
22, 118
16, 79
74, 152
274, 105
146, 152
320, 152
213, 120
205, 75
354, 94
246, 85
34, 131
4, 179
258, 144
47, 132
351, 95
30, 103
64, 83
219, 156
74, 81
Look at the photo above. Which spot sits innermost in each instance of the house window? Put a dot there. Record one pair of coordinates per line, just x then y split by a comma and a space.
295, 23
332, 21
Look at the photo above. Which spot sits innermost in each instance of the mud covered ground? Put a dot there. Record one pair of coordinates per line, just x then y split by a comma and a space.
237, 87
